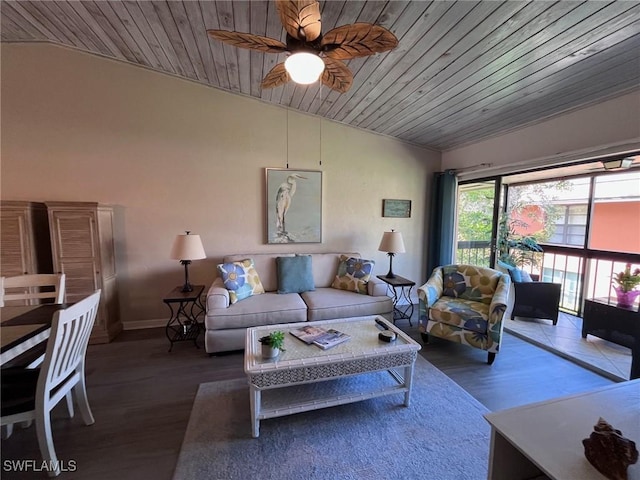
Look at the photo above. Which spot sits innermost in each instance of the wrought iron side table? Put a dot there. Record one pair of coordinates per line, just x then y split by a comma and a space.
401, 288
183, 324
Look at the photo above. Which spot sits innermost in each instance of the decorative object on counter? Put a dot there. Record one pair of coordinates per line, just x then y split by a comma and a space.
185, 248
391, 243
625, 283
272, 344
609, 452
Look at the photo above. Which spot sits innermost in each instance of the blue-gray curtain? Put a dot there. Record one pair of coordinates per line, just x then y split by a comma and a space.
442, 220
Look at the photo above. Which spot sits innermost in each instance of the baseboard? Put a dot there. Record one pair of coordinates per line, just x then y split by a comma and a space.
142, 324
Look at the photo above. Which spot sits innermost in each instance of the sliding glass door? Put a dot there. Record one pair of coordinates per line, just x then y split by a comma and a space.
476, 222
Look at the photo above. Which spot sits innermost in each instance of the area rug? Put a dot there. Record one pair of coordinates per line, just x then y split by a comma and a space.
441, 435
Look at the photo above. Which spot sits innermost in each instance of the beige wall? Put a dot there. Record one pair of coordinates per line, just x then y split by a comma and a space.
174, 155
609, 127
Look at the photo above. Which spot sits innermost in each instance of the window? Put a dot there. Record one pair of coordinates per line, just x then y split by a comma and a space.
554, 212
570, 226
561, 213
615, 220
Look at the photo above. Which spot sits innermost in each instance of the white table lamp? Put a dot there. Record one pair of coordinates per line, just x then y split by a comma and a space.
391, 243
185, 248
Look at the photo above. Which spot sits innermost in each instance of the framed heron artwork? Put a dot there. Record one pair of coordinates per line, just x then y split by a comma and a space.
294, 205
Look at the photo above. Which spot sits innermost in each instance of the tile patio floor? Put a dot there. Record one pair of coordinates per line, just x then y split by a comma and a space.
565, 339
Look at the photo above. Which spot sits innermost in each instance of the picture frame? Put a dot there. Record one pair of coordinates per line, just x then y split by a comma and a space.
293, 205
392, 207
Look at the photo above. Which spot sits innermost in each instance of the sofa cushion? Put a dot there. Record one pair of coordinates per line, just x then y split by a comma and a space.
265, 309
353, 274
295, 274
329, 303
265, 265
240, 279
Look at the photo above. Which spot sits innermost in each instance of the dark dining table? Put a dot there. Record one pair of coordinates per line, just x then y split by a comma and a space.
24, 327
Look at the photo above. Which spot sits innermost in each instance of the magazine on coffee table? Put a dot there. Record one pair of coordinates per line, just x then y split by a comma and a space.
331, 338
308, 333
322, 337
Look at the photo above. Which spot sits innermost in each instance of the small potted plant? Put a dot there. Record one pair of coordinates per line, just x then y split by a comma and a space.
272, 344
625, 283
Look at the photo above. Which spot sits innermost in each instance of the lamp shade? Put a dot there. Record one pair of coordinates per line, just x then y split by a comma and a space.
187, 247
392, 242
304, 68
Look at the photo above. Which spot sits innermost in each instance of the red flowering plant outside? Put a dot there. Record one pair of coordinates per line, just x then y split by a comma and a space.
625, 280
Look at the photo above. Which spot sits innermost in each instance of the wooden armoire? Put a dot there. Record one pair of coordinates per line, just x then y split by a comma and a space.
24, 238
82, 245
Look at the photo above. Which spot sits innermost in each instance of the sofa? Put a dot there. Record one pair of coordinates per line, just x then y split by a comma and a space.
226, 322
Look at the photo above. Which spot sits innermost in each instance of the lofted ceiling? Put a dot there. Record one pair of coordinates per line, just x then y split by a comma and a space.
463, 70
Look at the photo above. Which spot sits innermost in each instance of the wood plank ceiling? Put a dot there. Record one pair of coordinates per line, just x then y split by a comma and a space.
463, 70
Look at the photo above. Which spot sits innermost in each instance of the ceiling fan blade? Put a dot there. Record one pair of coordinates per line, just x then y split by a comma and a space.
336, 75
276, 77
248, 40
300, 18
357, 40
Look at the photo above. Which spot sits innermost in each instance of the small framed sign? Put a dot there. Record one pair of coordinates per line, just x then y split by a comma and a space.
396, 208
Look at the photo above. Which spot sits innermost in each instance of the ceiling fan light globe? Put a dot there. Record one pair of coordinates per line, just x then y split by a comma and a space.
304, 68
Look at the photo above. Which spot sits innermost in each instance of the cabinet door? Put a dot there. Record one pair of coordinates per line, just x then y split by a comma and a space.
76, 252
16, 253
81, 279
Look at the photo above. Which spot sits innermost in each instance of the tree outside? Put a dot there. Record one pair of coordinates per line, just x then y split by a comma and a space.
530, 218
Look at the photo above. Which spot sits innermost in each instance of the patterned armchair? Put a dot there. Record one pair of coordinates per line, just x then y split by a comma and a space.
465, 304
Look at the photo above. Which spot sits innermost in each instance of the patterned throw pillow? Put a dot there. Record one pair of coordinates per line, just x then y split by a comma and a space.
353, 274
453, 282
240, 279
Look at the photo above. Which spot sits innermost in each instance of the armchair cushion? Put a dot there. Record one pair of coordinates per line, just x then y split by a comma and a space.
467, 314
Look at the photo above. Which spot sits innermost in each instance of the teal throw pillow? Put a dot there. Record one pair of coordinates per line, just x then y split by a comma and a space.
505, 266
516, 275
295, 274
526, 278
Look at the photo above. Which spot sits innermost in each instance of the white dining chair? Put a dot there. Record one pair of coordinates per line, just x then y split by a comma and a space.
27, 290
31, 394
31, 289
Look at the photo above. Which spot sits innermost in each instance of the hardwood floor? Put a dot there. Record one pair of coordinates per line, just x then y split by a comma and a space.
141, 397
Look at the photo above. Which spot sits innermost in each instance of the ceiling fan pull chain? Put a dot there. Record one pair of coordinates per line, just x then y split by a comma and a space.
320, 141
320, 89
287, 138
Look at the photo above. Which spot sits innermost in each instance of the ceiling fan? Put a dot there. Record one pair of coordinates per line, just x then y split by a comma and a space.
312, 54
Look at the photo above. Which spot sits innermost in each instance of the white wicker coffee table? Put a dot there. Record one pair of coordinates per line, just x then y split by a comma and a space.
273, 382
